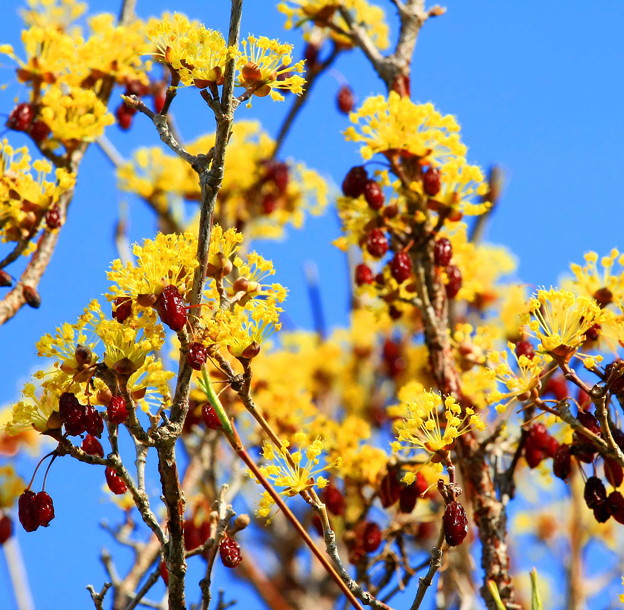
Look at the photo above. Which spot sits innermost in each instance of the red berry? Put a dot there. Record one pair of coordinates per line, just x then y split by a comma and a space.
136, 87
6, 528
197, 354
21, 117
389, 488
345, 100
277, 172
615, 506
72, 414
454, 281
92, 446
408, 498
432, 182
595, 492
601, 512
124, 115
269, 203
171, 308
210, 417
53, 217
39, 131
26, 511
534, 455
230, 552
525, 348
377, 243
333, 498
159, 100
122, 308
551, 446
442, 252
557, 386
455, 523
590, 422
401, 267
93, 422
371, 536
593, 334
117, 410
115, 483
355, 181
374, 195
363, 275
192, 535
164, 573
310, 54
613, 472
43, 508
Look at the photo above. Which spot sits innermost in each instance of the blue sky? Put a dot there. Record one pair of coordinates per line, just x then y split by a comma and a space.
536, 87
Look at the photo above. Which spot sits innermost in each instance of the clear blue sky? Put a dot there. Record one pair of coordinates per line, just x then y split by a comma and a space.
536, 87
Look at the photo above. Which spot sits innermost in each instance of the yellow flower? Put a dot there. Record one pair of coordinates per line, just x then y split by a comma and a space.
57, 13
11, 486
34, 410
603, 285
265, 65
396, 124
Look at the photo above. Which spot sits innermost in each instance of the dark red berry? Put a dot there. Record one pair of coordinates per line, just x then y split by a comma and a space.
408, 498
93, 422
442, 252
124, 115
43, 508
136, 87
401, 267
210, 417
534, 455
389, 488
164, 573
583, 399
53, 217
377, 243
454, 282
363, 275
333, 498
192, 535
26, 511
601, 512
455, 523
92, 446
122, 308
618, 437
6, 528
115, 483
21, 117
197, 354
269, 203
374, 195
277, 172
159, 100
615, 506
39, 131
595, 492
310, 54
355, 181
551, 446
230, 552
371, 536
613, 472
557, 386
117, 410
525, 348
72, 414
590, 422
345, 100
171, 308
432, 182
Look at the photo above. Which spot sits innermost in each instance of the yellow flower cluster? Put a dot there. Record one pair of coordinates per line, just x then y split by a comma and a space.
58, 13
11, 486
25, 194
605, 286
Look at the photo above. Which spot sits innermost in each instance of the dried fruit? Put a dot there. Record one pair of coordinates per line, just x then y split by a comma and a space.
601, 512
115, 483
197, 354
333, 498
171, 309
122, 309
389, 488
278, 173
26, 511
72, 414
557, 386
525, 348
371, 536
43, 508
355, 181
408, 498
6, 528
595, 492
117, 410
345, 100
210, 417
454, 281
374, 195
377, 243
53, 217
455, 523
21, 117
615, 506
442, 252
230, 552
363, 275
124, 115
432, 181
613, 472
92, 446
562, 462
39, 131
401, 267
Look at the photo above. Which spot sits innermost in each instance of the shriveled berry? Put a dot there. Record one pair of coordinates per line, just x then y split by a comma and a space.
345, 100
525, 348
389, 488
408, 498
533, 455
115, 483
117, 410
43, 508
442, 252
613, 472
374, 195
432, 181
454, 282
197, 354
210, 417
371, 536
230, 552
26, 511
363, 275
53, 217
93, 422
124, 115
21, 117
6, 528
92, 446
557, 386
595, 492
122, 308
377, 243
334, 499
355, 181
72, 414
590, 422
401, 267
455, 523
171, 309
615, 505
39, 131
601, 512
